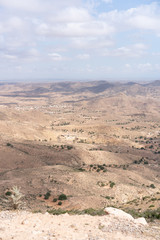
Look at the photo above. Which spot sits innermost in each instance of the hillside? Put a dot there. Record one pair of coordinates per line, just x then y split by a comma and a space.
96, 142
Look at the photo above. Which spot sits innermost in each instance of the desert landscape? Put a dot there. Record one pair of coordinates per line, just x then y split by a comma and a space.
81, 146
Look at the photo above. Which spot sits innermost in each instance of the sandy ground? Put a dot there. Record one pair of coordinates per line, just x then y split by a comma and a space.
29, 226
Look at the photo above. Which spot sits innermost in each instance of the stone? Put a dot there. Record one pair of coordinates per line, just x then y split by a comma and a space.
118, 213
141, 221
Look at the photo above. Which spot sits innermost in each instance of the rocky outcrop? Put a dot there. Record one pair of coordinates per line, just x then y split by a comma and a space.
121, 215
115, 225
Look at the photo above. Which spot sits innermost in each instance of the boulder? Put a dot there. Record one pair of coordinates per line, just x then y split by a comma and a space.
118, 213
141, 221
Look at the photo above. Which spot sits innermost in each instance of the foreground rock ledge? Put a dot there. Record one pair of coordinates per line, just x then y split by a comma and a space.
25, 225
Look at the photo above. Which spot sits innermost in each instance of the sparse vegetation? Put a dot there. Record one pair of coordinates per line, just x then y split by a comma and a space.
89, 211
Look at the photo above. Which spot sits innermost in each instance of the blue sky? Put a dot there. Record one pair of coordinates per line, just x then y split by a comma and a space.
79, 40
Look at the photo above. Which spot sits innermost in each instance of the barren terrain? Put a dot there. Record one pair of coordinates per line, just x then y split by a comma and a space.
96, 142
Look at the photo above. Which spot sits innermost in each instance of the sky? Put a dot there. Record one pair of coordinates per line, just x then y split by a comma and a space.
79, 40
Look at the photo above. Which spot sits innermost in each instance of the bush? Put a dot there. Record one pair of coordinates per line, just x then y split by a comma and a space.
112, 184
81, 169
9, 145
8, 193
62, 197
60, 203
47, 195
55, 199
69, 147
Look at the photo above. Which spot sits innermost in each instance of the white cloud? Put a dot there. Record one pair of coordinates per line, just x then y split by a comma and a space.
145, 67
29, 5
10, 57
135, 50
76, 29
127, 65
83, 56
107, 1
72, 14
56, 57
146, 17
50, 30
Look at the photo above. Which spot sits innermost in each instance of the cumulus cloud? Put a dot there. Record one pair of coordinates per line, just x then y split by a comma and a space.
144, 17
38, 30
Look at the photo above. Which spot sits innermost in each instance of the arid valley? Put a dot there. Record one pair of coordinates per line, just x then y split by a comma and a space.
96, 142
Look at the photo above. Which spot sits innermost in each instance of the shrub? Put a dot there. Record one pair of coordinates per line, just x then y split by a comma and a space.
62, 197
69, 147
145, 162
60, 203
81, 169
152, 186
55, 199
47, 195
15, 197
8, 193
9, 145
112, 184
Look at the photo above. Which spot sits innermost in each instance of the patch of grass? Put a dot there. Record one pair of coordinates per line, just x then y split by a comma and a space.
151, 206
148, 214
89, 211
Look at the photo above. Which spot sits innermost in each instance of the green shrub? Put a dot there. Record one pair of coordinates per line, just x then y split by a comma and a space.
55, 199
47, 195
9, 145
62, 197
60, 203
81, 169
145, 162
8, 193
112, 184
69, 147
